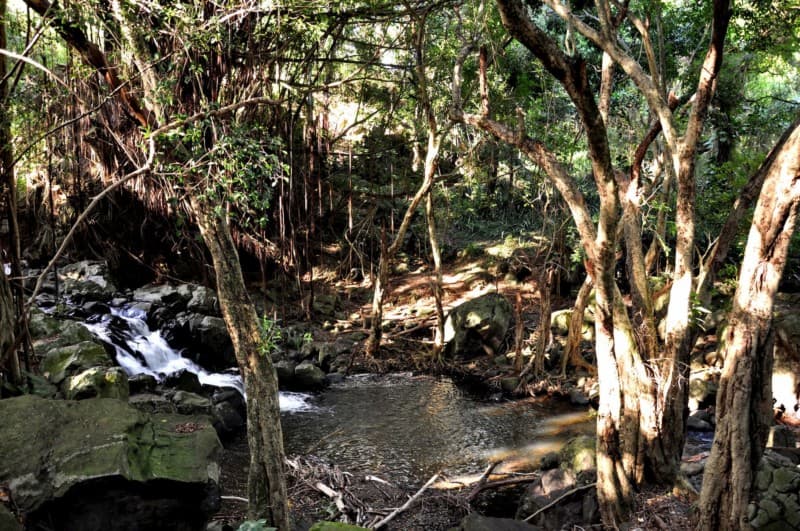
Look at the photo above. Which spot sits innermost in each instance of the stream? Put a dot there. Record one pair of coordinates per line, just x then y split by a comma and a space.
411, 427
405, 426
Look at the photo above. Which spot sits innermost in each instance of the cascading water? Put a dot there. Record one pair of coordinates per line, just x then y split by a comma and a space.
141, 350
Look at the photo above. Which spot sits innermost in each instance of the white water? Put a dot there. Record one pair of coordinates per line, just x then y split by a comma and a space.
160, 360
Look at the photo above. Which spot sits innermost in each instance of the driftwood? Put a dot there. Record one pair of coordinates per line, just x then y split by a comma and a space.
332, 494
407, 504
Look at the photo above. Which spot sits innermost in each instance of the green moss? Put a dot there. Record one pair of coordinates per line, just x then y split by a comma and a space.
60, 361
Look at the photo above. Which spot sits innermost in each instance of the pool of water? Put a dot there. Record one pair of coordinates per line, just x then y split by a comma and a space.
412, 427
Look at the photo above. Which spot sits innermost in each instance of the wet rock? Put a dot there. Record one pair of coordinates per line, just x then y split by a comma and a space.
184, 381
152, 403
99, 382
309, 376
228, 419
188, 403
578, 397
285, 371
334, 378
204, 337
477, 326
142, 383
129, 471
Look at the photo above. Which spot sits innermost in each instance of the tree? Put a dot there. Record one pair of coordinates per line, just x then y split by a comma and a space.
8, 307
641, 415
191, 147
744, 398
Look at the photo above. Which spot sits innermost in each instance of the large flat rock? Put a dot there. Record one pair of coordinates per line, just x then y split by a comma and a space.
98, 450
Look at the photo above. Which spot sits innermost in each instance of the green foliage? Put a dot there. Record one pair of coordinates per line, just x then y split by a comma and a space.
271, 336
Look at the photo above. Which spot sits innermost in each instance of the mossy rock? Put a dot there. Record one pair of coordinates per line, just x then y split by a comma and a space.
100, 382
560, 320
60, 362
51, 446
579, 454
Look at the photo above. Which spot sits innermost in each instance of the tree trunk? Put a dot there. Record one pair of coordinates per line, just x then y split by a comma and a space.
436, 282
572, 351
744, 399
8, 309
266, 485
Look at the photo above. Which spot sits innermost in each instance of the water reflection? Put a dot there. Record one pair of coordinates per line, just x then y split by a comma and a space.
412, 427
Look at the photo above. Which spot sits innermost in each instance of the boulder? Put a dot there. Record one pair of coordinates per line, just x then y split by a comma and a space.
60, 362
175, 297
477, 326
205, 338
48, 332
579, 455
776, 497
203, 301
188, 403
100, 382
284, 369
100, 464
87, 281
309, 376
559, 323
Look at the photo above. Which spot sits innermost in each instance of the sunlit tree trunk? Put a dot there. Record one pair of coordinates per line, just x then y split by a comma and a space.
266, 485
572, 350
744, 398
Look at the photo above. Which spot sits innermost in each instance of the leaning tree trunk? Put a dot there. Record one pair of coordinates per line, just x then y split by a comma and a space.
266, 485
744, 399
572, 350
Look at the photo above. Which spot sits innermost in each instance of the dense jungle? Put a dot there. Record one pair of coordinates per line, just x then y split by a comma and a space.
399, 264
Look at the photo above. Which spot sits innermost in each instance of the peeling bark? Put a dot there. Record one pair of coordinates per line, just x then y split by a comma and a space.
744, 398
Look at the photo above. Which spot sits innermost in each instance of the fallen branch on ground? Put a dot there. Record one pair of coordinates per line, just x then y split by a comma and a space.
407, 504
558, 500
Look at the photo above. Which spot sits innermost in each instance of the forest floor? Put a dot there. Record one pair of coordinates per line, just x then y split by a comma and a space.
405, 346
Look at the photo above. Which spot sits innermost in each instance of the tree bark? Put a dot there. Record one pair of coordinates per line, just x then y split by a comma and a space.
266, 485
744, 399
8, 307
572, 350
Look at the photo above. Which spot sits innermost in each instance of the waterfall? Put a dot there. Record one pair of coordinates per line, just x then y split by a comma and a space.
141, 350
